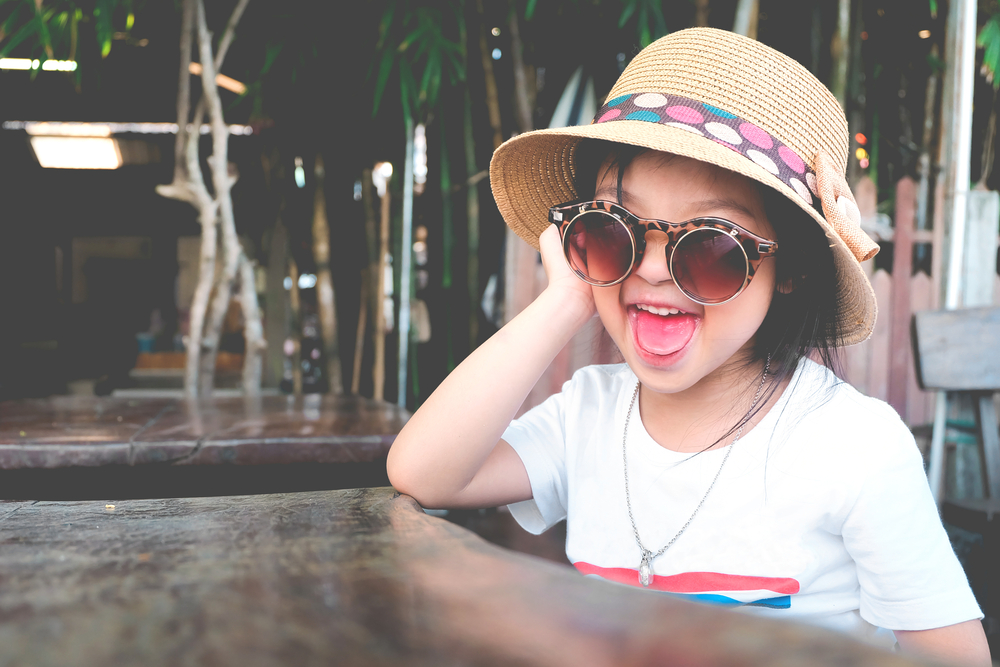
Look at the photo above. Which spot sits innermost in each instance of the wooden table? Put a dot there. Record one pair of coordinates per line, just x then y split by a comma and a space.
354, 577
90, 447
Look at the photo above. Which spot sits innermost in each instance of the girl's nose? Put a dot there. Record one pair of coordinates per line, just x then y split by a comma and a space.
654, 268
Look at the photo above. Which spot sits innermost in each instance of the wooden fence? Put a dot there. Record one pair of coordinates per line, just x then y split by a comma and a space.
883, 366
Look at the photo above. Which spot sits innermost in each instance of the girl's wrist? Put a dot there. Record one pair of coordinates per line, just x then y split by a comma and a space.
568, 304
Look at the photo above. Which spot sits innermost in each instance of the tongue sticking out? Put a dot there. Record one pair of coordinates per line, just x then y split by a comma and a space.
663, 335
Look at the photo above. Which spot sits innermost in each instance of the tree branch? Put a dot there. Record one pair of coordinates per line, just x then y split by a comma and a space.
222, 184
183, 92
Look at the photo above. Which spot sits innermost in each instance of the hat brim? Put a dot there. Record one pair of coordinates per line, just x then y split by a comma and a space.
535, 171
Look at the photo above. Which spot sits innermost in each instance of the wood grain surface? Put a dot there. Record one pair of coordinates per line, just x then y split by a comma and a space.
68, 431
957, 349
360, 577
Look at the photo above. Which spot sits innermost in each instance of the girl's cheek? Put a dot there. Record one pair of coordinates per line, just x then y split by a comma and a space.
610, 310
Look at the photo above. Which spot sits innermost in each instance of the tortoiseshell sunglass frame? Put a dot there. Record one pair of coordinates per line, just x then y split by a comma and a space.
755, 248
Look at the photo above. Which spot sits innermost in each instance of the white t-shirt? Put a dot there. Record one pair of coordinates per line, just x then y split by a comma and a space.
822, 512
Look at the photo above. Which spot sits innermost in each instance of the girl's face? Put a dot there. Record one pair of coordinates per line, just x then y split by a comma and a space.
669, 341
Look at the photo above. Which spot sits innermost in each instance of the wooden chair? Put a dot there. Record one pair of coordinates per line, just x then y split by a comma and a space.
959, 350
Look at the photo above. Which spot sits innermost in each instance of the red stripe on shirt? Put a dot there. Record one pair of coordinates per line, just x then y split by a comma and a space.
694, 582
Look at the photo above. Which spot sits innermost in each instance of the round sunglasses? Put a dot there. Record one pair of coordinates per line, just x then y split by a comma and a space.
711, 260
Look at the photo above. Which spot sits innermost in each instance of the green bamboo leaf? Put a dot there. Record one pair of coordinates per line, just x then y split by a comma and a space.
271, 55
422, 47
58, 24
987, 34
644, 36
989, 39
457, 66
44, 36
412, 37
8, 25
384, 70
434, 68
385, 24
659, 23
529, 12
22, 33
407, 90
627, 12
426, 78
102, 25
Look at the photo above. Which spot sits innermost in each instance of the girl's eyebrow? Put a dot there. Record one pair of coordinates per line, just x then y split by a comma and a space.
610, 193
713, 204
725, 204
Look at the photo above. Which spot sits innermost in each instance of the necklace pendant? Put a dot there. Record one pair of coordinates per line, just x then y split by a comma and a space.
645, 570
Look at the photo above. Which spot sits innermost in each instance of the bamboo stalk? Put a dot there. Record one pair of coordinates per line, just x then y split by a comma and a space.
492, 98
325, 294
366, 278
378, 368
924, 161
296, 303
277, 314
520, 259
253, 329
701, 10
839, 52
359, 340
471, 198
472, 217
405, 267
745, 22
522, 104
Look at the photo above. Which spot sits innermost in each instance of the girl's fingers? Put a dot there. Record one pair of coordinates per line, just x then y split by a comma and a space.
560, 276
553, 260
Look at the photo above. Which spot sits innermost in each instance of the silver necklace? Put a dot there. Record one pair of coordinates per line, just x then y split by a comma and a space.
646, 564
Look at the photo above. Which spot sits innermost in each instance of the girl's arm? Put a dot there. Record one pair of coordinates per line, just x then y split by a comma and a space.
450, 453
959, 644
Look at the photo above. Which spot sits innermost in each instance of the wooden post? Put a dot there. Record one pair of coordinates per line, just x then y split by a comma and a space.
980, 255
902, 270
959, 78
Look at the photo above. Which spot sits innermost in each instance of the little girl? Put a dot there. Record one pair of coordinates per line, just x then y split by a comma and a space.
704, 216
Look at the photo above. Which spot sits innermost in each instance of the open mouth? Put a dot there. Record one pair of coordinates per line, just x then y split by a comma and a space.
661, 331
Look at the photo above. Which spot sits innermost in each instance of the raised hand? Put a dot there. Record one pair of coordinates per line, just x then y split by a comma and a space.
562, 280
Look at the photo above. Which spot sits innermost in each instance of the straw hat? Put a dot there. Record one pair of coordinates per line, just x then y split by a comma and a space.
727, 100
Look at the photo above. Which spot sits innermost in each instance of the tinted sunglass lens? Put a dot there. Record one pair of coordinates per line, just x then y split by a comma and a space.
709, 265
598, 247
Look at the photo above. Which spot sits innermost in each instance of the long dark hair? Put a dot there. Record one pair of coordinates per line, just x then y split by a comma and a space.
805, 321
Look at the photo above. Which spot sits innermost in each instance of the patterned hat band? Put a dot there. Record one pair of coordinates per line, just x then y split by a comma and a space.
722, 127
